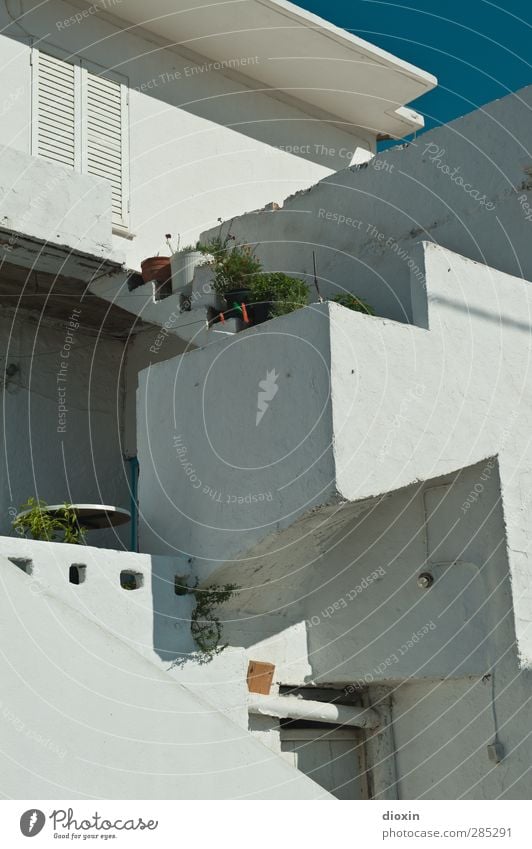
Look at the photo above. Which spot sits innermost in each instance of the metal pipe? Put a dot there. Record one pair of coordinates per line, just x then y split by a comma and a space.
290, 707
134, 470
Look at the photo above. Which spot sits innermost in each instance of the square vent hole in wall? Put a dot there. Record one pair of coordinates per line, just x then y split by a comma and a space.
77, 573
162, 290
130, 580
25, 564
180, 584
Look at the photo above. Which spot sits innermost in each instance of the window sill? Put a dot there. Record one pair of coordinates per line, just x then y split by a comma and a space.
123, 232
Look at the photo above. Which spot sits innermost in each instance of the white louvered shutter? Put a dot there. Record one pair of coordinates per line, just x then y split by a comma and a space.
105, 146
57, 116
80, 120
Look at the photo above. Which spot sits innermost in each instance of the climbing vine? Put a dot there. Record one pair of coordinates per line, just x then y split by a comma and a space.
205, 625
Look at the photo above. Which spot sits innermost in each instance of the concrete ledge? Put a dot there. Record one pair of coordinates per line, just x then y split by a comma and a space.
49, 202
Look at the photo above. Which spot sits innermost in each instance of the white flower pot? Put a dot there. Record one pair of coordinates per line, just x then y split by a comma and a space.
184, 264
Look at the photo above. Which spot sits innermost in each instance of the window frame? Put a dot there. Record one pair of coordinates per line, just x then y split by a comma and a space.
83, 67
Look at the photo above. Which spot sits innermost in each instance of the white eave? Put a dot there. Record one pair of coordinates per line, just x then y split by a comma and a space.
297, 54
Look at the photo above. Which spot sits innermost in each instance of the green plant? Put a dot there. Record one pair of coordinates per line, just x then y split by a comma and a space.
353, 303
285, 293
39, 523
205, 625
234, 265
237, 268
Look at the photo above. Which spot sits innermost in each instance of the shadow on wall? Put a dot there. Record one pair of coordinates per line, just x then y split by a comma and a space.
62, 430
172, 638
431, 595
414, 587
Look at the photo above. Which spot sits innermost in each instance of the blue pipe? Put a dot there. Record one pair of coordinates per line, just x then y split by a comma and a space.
134, 503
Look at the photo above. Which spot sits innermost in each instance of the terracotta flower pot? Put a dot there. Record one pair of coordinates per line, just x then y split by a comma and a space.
156, 268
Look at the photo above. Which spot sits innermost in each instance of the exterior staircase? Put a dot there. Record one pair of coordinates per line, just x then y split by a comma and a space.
112, 718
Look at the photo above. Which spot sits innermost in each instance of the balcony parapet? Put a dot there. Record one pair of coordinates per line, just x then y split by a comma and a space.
47, 210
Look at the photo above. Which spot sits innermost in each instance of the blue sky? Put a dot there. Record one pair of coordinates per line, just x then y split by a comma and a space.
477, 49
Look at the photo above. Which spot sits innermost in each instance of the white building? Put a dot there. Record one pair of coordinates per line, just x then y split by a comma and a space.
374, 517
185, 126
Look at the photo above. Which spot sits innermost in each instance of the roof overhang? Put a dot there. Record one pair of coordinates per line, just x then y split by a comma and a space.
296, 54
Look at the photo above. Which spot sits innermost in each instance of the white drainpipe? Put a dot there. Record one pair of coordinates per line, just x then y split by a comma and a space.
290, 707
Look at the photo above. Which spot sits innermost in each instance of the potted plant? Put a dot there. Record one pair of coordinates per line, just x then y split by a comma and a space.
35, 520
274, 294
184, 264
251, 295
158, 270
234, 269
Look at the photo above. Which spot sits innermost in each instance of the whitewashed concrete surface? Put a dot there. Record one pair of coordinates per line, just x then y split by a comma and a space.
62, 420
48, 203
151, 620
84, 716
465, 185
363, 406
204, 143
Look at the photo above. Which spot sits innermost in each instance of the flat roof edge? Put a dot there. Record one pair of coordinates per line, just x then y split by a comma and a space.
349, 40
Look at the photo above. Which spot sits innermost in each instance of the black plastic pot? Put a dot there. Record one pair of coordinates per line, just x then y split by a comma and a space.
236, 296
260, 311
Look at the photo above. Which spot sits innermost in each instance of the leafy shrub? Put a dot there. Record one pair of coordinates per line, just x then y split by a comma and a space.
237, 268
286, 293
234, 265
39, 523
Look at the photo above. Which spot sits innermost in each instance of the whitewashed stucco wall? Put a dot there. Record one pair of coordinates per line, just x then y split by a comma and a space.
363, 604
447, 654
82, 715
142, 349
465, 185
151, 620
82, 462
408, 404
459, 392
45, 202
202, 145
358, 597
442, 728
212, 480
442, 731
